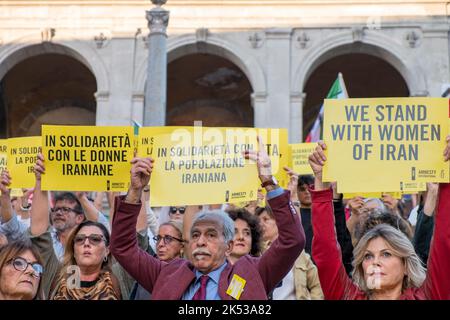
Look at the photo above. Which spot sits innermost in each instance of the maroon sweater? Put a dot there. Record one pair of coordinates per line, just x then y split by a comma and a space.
168, 281
336, 285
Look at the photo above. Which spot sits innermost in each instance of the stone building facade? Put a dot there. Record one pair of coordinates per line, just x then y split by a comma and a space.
262, 63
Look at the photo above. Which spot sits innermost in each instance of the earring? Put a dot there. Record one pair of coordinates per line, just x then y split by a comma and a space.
105, 259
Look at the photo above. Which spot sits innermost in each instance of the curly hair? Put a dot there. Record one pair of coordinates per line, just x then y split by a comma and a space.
255, 228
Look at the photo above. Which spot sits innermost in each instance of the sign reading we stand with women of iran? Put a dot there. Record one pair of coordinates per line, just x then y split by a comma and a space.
388, 144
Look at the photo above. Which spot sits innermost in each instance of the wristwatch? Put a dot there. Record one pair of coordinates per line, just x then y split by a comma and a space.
296, 203
270, 182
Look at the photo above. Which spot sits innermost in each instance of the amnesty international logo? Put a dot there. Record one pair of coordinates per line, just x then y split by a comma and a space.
227, 195
413, 173
108, 185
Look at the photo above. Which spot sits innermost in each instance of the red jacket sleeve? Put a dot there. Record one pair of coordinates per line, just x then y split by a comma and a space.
124, 246
335, 283
437, 282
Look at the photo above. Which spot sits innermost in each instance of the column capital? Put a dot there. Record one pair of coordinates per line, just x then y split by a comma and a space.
159, 2
101, 96
138, 96
158, 19
259, 96
298, 96
420, 93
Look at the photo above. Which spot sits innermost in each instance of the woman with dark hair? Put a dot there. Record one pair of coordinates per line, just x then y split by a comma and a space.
85, 273
20, 271
247, 234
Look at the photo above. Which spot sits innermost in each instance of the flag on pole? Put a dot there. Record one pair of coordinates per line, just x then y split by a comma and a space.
136, 126
337, 91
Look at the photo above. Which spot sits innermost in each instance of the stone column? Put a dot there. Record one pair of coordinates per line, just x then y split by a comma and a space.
278, 46
296, 118
101, 117
137, 108
156, 85
260, 109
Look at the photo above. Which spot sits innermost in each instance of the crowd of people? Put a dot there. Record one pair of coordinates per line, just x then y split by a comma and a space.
302, 243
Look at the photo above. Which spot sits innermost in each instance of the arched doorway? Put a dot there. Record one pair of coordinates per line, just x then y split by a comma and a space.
208, 88
365, 76
49, 88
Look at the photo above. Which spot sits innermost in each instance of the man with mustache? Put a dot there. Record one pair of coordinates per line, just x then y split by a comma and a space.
207, 275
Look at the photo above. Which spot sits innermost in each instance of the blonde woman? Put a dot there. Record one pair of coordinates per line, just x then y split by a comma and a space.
386, 267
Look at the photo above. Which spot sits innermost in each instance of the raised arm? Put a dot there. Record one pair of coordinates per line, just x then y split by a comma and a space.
124, 246
11, 227
425, 222
437, 282
141, 224
90, 210
5, 198
40, 208
325, 247
276, 262
292, 187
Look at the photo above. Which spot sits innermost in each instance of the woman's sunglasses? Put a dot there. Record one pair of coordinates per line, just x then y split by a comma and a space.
94, 239
174, 210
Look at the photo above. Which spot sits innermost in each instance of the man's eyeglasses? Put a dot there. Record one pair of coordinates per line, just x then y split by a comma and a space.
64, 210
94, 239
167, 239
174, 210
20, 264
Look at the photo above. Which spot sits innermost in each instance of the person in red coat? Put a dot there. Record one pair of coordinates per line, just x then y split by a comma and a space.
207, 275
386, 267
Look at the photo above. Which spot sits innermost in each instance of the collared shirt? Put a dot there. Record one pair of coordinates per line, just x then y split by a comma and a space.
57, 245
212, 286
13, 229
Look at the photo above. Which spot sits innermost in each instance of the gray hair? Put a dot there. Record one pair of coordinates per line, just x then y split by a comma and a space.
177, 225
380, 205
217, 216
401, 247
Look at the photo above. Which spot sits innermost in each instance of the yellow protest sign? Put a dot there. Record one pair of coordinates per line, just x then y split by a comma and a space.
145, 138
395, 195
3, 154
277, 147
299, 157
199, 165
87, 158
22, 154
382, 144
16, 193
